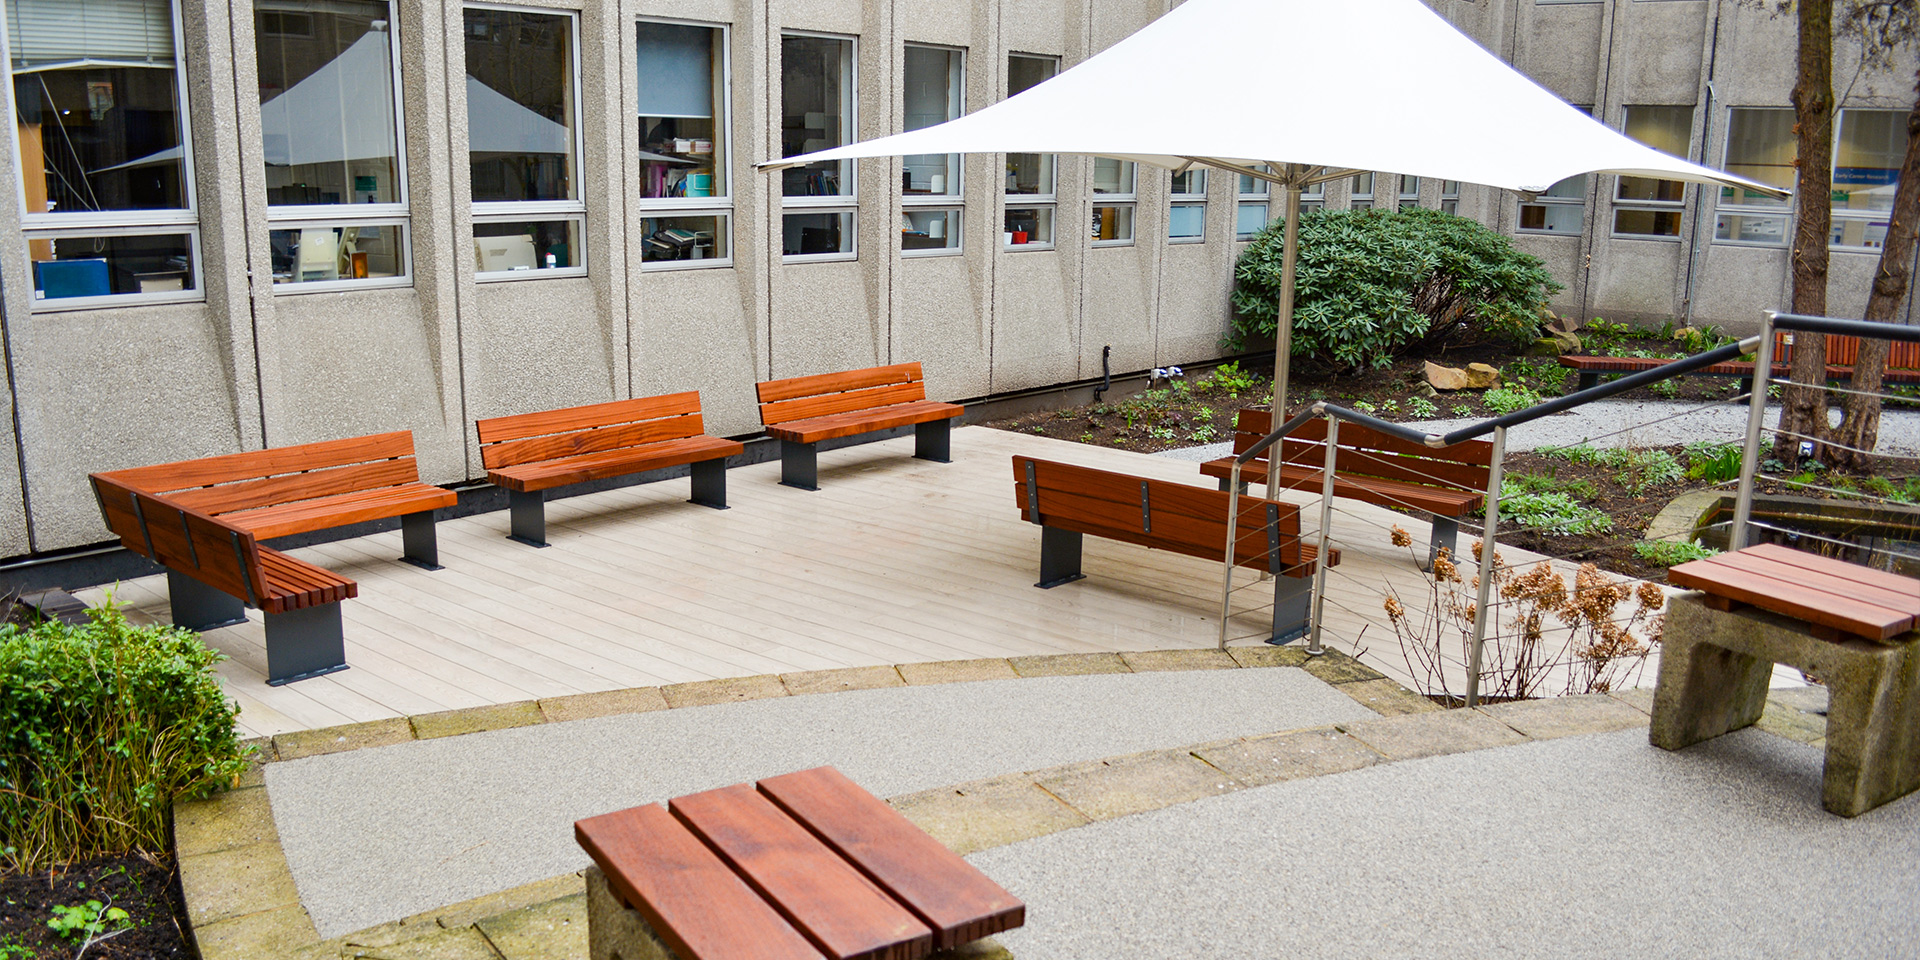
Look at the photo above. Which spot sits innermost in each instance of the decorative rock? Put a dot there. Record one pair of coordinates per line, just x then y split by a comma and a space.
1445, 378
1482, 377
1565, 341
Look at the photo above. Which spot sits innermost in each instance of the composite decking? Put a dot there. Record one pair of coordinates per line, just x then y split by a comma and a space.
893, 560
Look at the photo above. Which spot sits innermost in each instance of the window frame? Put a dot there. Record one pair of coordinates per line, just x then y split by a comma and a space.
185, 220
1357, 200
1186, 199
1780, 210
398, 213
1841, 215
1618, 204
954, 202
1021, 201
848, 201
718, 207
1130, 199
507, 211
1261, 195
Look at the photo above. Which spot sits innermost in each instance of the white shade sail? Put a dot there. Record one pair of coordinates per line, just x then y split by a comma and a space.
499, 124
342, 111
1263, 81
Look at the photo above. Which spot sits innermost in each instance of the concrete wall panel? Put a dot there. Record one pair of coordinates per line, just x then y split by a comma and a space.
1559, 46
1637, 281
692, 332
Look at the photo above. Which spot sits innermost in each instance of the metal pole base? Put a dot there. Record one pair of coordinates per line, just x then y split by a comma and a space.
527, 516
933, 440
1292, 609
302, 644
1059, 557
420, 545
799, 465
1446, 533
710, 483
199, 607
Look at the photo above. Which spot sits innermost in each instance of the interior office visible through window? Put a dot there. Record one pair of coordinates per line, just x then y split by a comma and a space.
1868, 150
1187, 212
523, 143
1252, 210
99, 118
686, 208
1114, 201
1760, 147
1028, 222
930, 184
1360, 192
816, 113
1866, 168
330, 137
1645, 206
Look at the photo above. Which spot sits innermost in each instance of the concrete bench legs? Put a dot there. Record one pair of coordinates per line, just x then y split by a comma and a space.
1714, 668
616, 931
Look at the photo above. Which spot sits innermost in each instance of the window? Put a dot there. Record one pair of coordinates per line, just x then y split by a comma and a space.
1113, 202
1561, 209
523, 144
1760, 146
330, 137
1409, 192
1251, 214
1030, 176
1866, 167
1360, 192
1313, 197
1187, 213
99, 116
816, 113
1450, 196
686, 211
1643, 206
931, 183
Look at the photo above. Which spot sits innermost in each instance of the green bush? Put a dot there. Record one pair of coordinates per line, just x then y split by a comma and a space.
104, 725
1670, 552
1373, 283
1505, 400
1551, 514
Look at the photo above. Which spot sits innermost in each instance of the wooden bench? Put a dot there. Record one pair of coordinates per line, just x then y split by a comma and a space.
213, 568
803, 865
1447, 482
532, 453
802, 411
281, 491
1069, 501
1851, 626
1903, 363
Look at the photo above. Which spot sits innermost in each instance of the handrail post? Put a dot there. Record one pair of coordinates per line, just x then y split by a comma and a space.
1314, 648
1756, 422
1482, 605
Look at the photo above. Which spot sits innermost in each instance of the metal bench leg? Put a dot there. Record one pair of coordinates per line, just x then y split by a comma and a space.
933, 440
1746, 387
1446, 533
420, 545
1292, 608
1589, 379
1059, 557
710, 483
199, 607
527, 513
302, 644
799, 465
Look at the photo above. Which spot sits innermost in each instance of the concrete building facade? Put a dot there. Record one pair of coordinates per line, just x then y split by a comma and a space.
373, 215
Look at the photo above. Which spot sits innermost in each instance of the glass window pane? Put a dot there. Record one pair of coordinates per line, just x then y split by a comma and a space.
1249, 220
924, 228
326, 102
100, 266
816, 113
934, 81
1854, 232
1409, 187
1867, 158
1666, 129
806, 234
1553, 217
98, 101
683, 136
1187, 221
1648, 223
1113, 176
1250, 186
1029, 225
337, 252
515, 246
520, 114
685, 238
1760, 146
1730, 224
1113, 223
1361, 186
1190, 183
1029, 174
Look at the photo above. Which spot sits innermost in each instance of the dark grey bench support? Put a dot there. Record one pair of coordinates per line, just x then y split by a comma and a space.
710, 483
199, 607
799, 465
933, 440
527, 517
420, 545
1060, 552
304, 643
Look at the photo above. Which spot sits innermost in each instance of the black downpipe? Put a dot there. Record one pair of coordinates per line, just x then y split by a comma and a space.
1106, 373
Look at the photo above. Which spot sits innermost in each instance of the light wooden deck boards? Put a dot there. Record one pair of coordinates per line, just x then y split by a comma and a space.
894, 560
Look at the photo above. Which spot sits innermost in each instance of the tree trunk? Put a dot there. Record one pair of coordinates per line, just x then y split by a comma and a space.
1803, 412
1859, 429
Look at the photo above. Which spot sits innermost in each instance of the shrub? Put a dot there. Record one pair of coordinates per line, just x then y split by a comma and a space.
1373, 283
1505, 400
104, 726
1713, 462
1551, 514
1669, 552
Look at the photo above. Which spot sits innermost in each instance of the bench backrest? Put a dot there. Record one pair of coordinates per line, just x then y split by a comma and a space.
183, 540
1366, 452
802, 398
261, 478
1843, 350
594, 428
1157, 513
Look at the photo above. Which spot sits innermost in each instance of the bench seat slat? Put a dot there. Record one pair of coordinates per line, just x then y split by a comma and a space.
789, 388
1901, 599
321, 513
851, 403
253, 464
1168, 497
562, 471
1789, 598
294, 584
289, 488
951, 895
541, 423
1880, 579
691, 899
1188, 535
618, 436
835, 906
839, 425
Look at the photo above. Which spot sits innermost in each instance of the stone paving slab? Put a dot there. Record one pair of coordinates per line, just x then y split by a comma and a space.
1415, 735
988, 813
1288, 756
1117, 786
1566, 716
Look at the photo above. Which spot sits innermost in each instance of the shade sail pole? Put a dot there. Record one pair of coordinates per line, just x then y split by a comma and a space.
1283, 320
